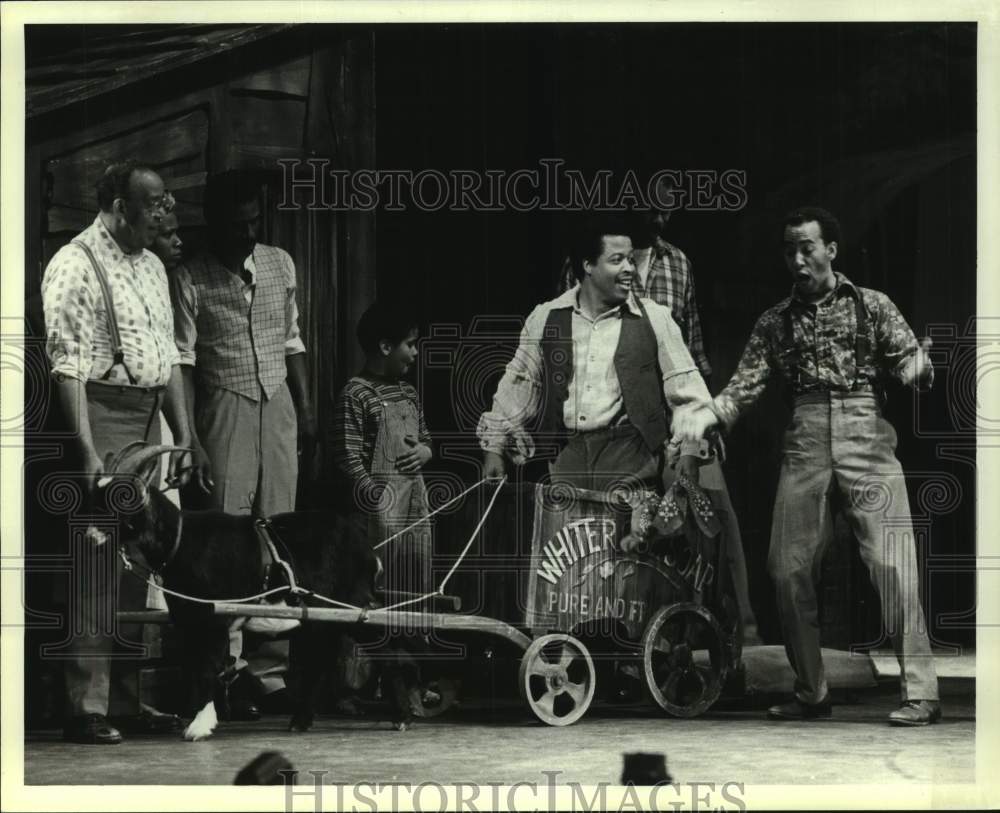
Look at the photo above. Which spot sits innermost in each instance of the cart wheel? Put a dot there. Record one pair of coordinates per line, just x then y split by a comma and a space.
442, 696
684, 659
557, 679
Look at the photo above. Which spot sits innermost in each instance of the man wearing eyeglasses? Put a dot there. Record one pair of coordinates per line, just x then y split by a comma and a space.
110, 341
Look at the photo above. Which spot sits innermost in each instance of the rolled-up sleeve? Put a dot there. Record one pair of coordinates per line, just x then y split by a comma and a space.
897, 344
752, 374
69, 299
683, 386
504, 427
293, 339
184, 299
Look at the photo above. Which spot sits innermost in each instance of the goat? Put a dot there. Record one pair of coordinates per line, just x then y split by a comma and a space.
212, 555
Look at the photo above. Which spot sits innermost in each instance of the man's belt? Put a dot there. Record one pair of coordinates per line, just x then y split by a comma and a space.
824, 396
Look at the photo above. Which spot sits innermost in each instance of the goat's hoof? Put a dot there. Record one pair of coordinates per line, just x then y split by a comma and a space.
203, 724
194, 733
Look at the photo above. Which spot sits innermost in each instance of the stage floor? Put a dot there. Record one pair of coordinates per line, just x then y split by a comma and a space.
504, 745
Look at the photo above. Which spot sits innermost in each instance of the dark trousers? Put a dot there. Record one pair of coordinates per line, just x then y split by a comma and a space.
606, 459
118, 416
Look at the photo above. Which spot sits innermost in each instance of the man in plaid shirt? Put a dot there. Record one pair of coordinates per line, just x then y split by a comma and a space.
663, 274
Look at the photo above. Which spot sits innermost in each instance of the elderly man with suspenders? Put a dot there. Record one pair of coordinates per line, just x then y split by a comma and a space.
109, 337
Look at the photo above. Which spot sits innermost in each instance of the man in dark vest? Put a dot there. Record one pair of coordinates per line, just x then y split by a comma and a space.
663, 274
833, 344
594, 376
236, 326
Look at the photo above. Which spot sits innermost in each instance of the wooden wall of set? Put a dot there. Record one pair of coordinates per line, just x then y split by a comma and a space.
311, 96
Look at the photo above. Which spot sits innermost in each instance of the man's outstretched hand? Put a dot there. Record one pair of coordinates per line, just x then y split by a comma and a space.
690, 425
919, 367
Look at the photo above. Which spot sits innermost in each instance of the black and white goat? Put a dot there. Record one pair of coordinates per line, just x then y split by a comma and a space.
216, 556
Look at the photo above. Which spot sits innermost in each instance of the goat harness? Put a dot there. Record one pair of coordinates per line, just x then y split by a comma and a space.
267, 538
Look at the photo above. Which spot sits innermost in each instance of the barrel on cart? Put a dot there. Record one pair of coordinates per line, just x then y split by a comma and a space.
550, 562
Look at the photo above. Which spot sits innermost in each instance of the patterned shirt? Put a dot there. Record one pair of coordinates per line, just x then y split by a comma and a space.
595, 398
186, 315
357, 419
824, 356
668, 281
78, 341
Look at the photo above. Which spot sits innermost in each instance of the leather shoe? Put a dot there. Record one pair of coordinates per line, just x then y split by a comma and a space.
797, 710
241, 711
916, 712
236, 709
234, 701
91, 729
150, 721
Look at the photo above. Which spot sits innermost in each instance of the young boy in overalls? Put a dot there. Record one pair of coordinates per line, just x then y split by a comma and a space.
382, 443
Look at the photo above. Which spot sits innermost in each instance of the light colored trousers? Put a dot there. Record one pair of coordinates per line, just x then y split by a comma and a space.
840, 442
241, 438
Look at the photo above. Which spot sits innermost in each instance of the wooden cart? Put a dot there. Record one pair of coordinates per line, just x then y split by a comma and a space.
560, 592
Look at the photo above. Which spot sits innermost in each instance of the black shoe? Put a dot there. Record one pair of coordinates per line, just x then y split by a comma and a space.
151, 722
234, 702
797, 710
91, 729
239, 711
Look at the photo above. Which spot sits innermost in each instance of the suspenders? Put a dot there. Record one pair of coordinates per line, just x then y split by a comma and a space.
117, 351
862, 345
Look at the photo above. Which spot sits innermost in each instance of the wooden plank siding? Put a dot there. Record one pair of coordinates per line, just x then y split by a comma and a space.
175, 147
316, 101
110, 60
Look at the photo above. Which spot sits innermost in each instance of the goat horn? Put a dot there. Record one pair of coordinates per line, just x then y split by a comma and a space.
124, 452
137, 459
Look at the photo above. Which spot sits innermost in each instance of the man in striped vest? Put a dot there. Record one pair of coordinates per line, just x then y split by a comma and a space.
236, 325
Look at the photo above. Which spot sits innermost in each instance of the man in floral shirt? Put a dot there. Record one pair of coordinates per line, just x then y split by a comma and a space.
834, 344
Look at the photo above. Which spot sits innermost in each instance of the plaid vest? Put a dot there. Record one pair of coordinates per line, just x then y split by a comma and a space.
231, 356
